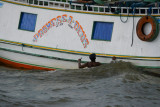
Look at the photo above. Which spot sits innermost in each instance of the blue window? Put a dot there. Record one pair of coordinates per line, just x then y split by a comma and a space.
27, 21
1, 4
102, 31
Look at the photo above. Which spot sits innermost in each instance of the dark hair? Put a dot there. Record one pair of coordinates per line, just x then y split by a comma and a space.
92, 57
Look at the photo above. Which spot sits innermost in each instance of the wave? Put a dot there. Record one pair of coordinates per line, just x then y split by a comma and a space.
105, 70
129, 72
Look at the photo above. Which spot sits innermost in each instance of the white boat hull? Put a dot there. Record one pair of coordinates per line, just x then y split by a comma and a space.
60, 46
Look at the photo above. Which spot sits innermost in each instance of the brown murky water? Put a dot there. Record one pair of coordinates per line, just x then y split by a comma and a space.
110, 85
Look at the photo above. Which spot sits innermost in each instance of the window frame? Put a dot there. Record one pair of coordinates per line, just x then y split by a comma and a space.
20, 21
93, 29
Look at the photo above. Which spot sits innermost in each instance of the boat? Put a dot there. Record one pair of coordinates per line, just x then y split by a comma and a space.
54, 34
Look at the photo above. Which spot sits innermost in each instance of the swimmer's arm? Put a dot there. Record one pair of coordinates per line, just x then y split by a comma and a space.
83, 65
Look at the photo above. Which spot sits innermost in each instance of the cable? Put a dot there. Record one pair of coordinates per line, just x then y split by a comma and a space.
133, 29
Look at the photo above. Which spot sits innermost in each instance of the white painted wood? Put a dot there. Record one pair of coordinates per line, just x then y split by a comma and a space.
65, 37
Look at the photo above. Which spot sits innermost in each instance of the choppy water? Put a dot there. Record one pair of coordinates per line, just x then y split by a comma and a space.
112, 85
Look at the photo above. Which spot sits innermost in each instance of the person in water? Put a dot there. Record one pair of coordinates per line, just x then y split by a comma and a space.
113, 59
93, 62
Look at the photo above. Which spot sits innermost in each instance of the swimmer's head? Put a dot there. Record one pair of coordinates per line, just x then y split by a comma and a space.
92, 57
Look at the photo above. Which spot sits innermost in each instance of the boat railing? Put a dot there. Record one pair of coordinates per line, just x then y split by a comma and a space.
69, 5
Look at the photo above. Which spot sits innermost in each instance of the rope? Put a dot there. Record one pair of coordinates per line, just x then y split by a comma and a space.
127, 15
125, 20
132, 31
22, 46
149, 11
133, 12
70, 2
